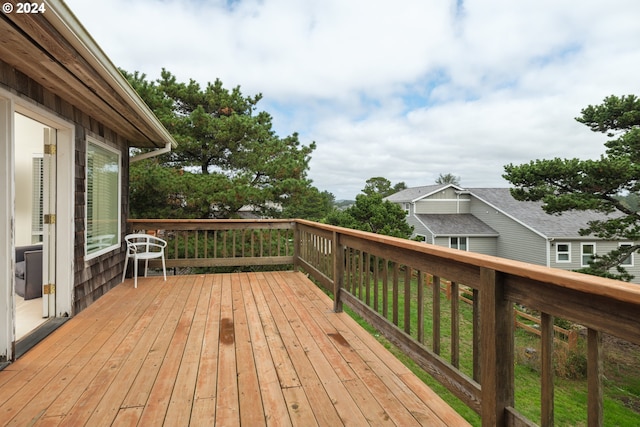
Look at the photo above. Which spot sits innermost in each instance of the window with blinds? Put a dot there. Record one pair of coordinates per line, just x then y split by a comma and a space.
37, 201
103, 199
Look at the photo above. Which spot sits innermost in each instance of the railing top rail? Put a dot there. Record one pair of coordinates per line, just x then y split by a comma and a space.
208, 221
615, 289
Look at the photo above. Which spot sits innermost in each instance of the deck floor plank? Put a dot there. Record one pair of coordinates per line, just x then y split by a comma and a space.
76, 368
245, 349
179, 411
104, 370
323, 407
340, 357
275, 408
227, 405
35, 360
337, 377
204, 406
380, 368
164, 325
142, 336
127, 417
285, 370
249, 397
299, 408
159, 399
65, 363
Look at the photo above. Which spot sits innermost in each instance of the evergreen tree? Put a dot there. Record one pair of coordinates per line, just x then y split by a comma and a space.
574, 184
382, 186
227, 151
371, 213
448, 178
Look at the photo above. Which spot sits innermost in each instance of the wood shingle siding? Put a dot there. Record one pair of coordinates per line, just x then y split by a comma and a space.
95, 277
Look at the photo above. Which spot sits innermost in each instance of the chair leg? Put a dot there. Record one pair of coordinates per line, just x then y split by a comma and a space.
135, 273
146, 267
164, 269
124, 272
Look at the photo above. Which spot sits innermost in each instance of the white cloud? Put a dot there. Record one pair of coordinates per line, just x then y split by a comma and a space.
406, 90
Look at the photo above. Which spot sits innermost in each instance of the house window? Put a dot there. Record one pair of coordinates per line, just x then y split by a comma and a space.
563, 252
458, 243
628, 261
587, 253
103, 199
407, 208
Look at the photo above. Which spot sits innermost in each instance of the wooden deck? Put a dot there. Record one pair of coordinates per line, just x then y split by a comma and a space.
245, 349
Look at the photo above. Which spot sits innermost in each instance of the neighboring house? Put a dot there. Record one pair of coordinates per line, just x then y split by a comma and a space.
490, 221
259, 212
67, 121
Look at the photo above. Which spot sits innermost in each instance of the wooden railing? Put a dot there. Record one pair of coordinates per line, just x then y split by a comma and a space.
391, 282
215, 243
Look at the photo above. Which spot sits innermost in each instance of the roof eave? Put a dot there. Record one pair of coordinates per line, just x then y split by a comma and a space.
64, 21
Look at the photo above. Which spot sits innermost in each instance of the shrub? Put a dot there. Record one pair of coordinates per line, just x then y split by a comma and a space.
570, 363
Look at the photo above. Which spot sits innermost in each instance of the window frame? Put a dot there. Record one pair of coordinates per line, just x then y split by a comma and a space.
567, 252
631, 257
582, 253
117, 238
457, 245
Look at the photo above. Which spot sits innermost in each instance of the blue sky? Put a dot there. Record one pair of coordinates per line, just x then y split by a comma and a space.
406, 90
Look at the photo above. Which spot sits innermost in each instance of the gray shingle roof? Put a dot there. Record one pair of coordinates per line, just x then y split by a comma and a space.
566, 225
411, 194
456, 225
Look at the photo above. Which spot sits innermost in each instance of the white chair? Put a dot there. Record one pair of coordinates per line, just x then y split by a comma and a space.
143, 247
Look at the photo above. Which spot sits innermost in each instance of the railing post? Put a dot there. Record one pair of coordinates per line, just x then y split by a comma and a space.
338, 271
296, 245
546, 364
496, 349
594, 378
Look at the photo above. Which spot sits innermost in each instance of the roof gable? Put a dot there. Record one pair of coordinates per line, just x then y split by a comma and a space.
531, 215
416, 193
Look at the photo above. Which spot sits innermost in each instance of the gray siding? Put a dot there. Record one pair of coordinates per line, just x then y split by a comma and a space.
420, 229
447, 194
481, 245
515, 241
442, 206
602, 247
574, 255
484, 245
447, 201
442, 241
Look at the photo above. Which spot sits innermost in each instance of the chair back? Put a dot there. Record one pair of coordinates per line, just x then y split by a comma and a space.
144, 243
